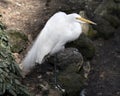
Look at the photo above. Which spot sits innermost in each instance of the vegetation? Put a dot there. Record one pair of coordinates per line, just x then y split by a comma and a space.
9, 70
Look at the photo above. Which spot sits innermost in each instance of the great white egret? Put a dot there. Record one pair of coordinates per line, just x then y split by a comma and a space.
59, 29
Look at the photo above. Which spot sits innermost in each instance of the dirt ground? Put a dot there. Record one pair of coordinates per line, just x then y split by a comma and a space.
104, 77
29, 16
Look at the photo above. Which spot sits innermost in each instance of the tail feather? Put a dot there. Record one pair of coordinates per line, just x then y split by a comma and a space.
29, 60
35, 55
39, 50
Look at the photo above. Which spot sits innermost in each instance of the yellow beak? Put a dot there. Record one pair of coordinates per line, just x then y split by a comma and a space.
86, 20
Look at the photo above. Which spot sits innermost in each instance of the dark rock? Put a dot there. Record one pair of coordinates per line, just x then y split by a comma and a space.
65, 57
104, 28
106, 14
91, 6
84, 45
108, 10
117, 9
117, 1
68, 62
68, 6
112, 19
105, 7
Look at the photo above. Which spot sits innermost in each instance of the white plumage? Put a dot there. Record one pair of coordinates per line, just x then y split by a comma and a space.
59, 29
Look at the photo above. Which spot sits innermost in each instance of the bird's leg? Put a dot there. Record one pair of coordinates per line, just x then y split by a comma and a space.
57, 86
55, 74
80, 65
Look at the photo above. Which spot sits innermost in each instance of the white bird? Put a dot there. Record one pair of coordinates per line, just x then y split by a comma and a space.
59, 29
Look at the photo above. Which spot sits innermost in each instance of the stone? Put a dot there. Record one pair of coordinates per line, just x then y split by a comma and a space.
68, 62
84, 45
112, 19
106, 14
104, 28
87, 28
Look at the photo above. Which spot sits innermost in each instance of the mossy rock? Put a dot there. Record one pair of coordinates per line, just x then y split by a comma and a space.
84, 45
17, 40
105, 8
71, 81
91, 33
68, 62
106, 15
104, 28
112, 19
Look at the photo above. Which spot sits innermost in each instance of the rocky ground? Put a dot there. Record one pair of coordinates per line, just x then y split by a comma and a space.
105, 74
29, 16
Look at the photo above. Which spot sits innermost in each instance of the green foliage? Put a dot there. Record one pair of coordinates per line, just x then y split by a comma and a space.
84, 45
9, 70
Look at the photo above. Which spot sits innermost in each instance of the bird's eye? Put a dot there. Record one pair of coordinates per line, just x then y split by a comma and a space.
77, 18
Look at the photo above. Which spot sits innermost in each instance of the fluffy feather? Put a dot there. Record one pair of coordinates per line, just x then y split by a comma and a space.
59, 29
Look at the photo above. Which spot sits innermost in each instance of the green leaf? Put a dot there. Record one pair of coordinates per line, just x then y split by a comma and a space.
3, 87
9, 70
12, 92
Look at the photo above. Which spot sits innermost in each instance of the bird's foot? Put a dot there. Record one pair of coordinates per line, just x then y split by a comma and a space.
58, 87
83, 92
24, 71
79, 67
38, 61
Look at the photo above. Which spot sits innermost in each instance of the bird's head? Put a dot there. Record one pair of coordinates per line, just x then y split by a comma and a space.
78, 18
